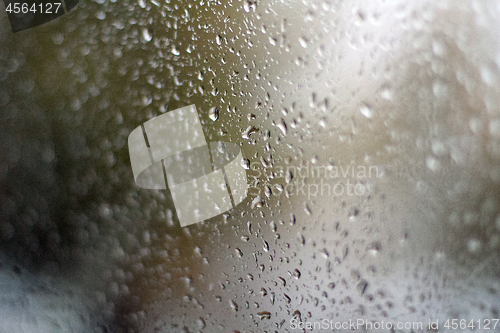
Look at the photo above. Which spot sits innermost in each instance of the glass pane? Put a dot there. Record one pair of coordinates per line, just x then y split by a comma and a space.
368, 133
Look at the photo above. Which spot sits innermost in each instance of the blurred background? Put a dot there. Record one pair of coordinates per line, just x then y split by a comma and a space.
408, 88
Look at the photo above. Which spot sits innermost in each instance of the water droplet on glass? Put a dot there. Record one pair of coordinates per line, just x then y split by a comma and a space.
147, 35
282, 126
247, 5
374, 248
249, 131
366, 111
213, 113
175, 51
233, 305
303, 42
353, 212
282, 281
432, 163
473, 245
324, 253
257, 202
264, 315
301, 239
362, 286
245, 163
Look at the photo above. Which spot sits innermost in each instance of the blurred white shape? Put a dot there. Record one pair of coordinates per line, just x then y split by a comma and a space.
199, 188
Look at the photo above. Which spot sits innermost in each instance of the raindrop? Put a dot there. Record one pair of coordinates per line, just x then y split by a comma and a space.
175, 51
282, 281
387, 93
282, 126
247, 5
353, 212
273, 297
307, 209
362, 286
345, 251
432, 163
273, 227
296, 273
374, 248
474, 245
147, 35
297, 315
301, 239
245, 163
303, 42
366, 111
324, 253
233, 305
249, 131
264, 315
213, 113
201, 323
257, 202
101, 15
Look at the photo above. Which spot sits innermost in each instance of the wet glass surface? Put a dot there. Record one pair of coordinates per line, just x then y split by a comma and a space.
370, 132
